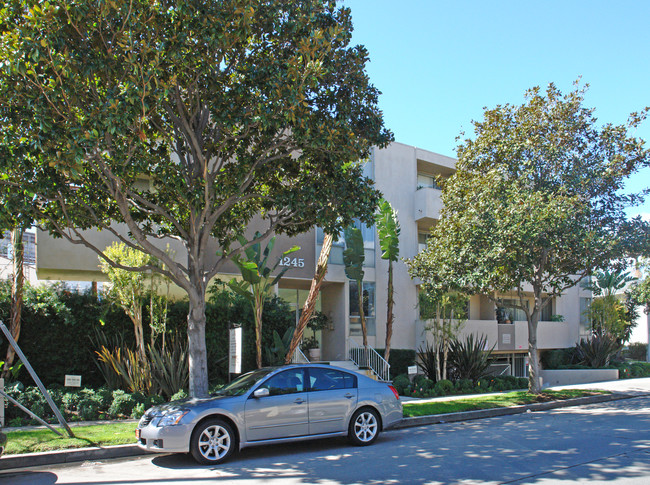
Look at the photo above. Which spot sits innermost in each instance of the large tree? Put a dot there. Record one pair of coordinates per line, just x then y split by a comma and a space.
536, 203
182, 120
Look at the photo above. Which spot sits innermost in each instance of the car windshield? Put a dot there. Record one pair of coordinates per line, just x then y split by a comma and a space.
242, 384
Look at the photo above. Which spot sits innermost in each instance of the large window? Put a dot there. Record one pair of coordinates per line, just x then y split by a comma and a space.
368, 308
507, 313
336, 254
427, 180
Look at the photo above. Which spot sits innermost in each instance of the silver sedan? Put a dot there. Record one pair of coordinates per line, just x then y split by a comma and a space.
272, 405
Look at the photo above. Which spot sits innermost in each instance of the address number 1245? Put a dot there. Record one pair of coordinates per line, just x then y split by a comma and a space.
295, 262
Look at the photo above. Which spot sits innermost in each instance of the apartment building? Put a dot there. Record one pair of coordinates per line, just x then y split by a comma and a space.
406, 176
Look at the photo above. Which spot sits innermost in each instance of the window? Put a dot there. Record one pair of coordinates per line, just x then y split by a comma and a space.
422, 240
368, 308
427, 180
336, 254
286, 382
327, 379
507, 313
547, 311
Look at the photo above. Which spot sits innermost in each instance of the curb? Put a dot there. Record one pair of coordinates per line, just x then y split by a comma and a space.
67, 456
121, 451
524, 408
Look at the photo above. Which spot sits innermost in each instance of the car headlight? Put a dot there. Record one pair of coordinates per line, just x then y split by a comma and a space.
172, 417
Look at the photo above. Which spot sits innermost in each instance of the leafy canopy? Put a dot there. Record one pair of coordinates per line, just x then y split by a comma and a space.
536, 199
182, 119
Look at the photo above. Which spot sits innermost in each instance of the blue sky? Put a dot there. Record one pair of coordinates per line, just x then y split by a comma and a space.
439, 63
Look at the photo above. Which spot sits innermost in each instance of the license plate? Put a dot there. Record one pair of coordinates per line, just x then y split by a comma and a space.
137, 433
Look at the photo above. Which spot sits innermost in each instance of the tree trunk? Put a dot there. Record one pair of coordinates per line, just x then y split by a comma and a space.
259, 307
362, 317
197, 349
17, 284
389, 311
139, 332
310, 304
533, 354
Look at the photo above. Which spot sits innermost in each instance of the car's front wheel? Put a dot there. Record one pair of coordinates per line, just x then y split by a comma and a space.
364, 427
213, 441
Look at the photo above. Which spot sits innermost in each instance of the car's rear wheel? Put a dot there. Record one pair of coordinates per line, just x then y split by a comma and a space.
213, 441
364, 427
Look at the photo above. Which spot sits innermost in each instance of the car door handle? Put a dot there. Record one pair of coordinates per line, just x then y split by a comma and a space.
299, 400
348, 395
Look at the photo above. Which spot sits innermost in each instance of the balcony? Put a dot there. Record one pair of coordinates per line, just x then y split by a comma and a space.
427, 204
512, 337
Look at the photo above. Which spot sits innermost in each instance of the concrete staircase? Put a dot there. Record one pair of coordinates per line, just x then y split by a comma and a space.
350, 365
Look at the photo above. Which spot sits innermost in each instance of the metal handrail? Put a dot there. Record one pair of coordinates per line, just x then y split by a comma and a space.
367, 357
299, 357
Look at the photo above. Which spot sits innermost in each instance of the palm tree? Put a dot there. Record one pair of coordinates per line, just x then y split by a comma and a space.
608, 283
257, 281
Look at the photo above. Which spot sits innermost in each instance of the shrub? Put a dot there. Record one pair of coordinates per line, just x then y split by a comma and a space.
71, 400
16, 422
464, 385
522, 383
88, 409
427, 360
138, 411
122, 404
104, 397
596, 351
402, 383
636, 351
444, 387
482, 385
152, 401
468, 357
399, 360
497, 385
181, 394
554, 359
425, 385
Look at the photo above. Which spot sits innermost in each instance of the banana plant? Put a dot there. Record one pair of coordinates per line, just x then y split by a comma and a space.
388, 231
257, 280
353, 258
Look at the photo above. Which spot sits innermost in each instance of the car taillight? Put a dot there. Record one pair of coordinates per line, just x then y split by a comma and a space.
394, 392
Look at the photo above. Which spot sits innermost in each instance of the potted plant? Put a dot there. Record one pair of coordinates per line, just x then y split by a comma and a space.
310, 346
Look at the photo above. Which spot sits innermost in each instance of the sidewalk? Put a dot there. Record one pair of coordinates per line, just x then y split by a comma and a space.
621, 389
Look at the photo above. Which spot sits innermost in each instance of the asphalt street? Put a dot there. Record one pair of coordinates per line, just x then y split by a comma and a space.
599, 443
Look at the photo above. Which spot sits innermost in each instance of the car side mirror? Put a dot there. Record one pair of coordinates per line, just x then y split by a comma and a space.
261, 392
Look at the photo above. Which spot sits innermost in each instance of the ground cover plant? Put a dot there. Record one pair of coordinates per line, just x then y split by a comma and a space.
488, 402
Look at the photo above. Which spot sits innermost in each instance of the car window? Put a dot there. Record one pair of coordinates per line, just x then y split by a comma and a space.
286, 382
321, 379
243, 383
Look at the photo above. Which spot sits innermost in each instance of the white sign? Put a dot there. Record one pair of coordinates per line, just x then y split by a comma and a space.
72, 381
234, 365
412, 369
506, 338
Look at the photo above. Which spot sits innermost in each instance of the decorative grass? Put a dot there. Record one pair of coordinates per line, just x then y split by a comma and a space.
496, 401
38, 440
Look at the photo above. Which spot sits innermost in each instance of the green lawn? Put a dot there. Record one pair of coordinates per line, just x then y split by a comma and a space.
37, 440
495, 401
